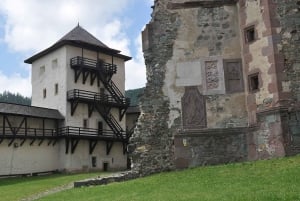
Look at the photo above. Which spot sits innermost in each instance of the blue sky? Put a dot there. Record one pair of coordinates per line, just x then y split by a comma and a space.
34, 25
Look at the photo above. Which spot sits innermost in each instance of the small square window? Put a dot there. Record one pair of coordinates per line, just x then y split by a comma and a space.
44, 93
253, 82
56, 89
250, 34
54, 63
85, 123
42, 70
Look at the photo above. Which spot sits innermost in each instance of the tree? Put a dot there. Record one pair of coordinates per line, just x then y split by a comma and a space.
17, 98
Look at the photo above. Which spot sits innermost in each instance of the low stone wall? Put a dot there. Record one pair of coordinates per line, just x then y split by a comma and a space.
118, 177
210, 146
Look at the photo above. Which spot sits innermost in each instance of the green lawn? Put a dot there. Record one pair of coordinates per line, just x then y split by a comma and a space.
13, 189
262, 180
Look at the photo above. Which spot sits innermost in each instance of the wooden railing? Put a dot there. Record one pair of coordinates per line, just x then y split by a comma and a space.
93, 96
88, 132
100, 65
68, 131
27, 132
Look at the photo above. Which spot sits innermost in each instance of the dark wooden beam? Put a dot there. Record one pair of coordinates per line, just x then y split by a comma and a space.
21, 124
74, 143
41, 142
1, 140
10, 126
21, 144
11, 141
124, 147
85, 75
32, 141
67, 145
203, 4
91, 108
73, 106
109, 146
93, 78
3, 125
43, 127
77, 74
92, 146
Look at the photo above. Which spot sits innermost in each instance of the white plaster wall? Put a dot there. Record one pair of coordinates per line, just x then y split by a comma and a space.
82, 160
48, 79
26, 159
82, 111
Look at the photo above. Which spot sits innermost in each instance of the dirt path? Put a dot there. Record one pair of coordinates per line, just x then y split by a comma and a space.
49, 192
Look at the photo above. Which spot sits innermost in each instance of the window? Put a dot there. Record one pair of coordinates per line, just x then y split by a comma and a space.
42, 70
44, 93
54, 63
94, 161
56, 89
250, 34
233, 75
85, 123
253, 81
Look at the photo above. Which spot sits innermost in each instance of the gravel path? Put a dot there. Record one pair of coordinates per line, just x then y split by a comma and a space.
49, 192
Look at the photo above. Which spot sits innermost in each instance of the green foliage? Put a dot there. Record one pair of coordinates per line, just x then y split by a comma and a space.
262, 180
134, 95
9, 97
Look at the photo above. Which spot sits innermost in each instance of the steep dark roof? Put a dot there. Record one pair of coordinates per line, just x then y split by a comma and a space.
134, 95
79, 37
30, 111
80, 34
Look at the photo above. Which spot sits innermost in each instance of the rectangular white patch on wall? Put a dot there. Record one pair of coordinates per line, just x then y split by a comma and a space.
188, 73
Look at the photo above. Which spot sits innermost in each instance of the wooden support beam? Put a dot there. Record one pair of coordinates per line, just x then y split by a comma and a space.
3, 131
73, 106
92, 146
74, 143
67, 145
122, 112
124, 148
41, 142
1, 140
21, 124
85, 76
43, 128
32, 141
11, 141
77, 74
49, 142
91, 107
21, 144
109, 145
93, 78
10, 126
54, 142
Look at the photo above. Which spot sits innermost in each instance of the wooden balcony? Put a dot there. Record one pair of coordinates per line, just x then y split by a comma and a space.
91, 64
90, 133
98, 98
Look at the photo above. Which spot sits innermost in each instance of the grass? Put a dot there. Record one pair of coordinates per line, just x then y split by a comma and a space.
13, 189
262, 180
277, 179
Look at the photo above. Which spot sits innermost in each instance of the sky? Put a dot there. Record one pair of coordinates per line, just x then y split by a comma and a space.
30, 26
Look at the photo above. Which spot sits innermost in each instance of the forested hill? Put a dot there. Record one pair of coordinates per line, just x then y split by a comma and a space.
9, 97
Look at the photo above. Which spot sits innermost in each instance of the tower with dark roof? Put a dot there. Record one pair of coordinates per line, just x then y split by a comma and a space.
85, 80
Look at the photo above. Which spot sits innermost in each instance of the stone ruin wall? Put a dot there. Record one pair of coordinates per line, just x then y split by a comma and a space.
186, 47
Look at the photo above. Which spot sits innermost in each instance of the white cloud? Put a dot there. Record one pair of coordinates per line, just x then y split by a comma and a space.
135, 69
33, 25
44, 22
15, 84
